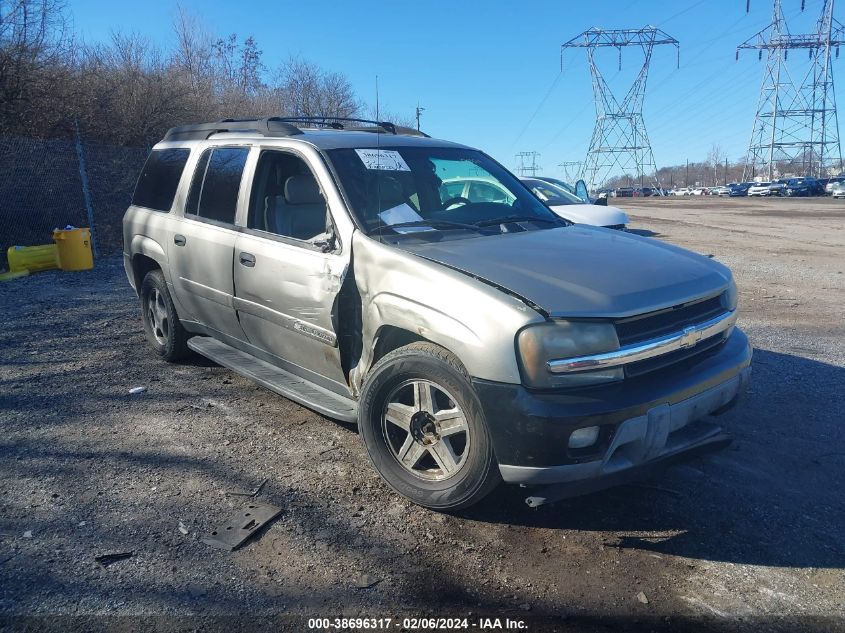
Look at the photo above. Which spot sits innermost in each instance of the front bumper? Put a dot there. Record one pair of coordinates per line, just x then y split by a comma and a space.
643, 420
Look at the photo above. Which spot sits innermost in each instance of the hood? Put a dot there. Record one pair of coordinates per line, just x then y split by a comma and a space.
593, 214
581, 271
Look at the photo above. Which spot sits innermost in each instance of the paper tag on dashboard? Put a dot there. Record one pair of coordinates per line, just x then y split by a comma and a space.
382, 159
403, 213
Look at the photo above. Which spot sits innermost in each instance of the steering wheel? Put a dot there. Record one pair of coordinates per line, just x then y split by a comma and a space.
456, 200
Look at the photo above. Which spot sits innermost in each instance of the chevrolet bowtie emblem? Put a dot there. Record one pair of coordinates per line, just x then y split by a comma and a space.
690, 337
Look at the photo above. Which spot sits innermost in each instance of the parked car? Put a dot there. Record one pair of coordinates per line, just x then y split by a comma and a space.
838, 189
800, 187
559, 183
563, 203
828, 188
471, 341
572, 208
699, 191
624, 192
722, 190
681, 191
778, 187
740, 189
759, 189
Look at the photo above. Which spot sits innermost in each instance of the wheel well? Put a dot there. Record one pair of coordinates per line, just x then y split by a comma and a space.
391, 338
141, 265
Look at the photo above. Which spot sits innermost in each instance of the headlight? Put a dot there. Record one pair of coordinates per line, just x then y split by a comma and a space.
538, 344
730, 297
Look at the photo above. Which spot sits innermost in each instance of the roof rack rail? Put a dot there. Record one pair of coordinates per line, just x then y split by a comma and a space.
283, 126
271, 126
338, 123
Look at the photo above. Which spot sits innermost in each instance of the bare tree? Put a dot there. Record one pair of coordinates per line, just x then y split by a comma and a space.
715, 157
306, 90
33, 48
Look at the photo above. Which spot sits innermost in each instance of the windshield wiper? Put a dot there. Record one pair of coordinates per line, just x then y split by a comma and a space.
517, 218
446, 224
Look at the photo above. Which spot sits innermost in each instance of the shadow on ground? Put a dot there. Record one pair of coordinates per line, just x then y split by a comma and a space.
773, 498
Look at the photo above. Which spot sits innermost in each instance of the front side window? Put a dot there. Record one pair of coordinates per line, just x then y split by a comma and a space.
427, 190
159, 179
216, 182
286, 199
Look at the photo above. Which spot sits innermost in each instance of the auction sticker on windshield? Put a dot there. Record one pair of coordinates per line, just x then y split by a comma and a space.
384, 159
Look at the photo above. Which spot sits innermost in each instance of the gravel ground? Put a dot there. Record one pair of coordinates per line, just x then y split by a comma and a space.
750, 538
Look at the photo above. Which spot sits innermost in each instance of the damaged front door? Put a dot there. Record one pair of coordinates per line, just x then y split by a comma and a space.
288, 273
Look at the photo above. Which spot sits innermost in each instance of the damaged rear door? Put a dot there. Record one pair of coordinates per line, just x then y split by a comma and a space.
288, 272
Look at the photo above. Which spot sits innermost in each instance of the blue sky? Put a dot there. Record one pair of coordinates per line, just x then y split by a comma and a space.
488, 73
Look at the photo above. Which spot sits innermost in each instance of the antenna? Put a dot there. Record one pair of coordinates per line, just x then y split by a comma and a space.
377, 116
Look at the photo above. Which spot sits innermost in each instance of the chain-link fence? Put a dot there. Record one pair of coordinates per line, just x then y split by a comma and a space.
41, 188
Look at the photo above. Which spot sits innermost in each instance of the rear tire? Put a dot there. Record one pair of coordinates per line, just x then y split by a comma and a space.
162, 327
422, 425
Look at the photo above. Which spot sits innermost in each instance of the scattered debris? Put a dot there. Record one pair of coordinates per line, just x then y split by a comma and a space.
136, 390
365, 581
81, 524
251, 493
243, 524
642, 598
108, 559
183, 529
328, 450
27, 534
525, 606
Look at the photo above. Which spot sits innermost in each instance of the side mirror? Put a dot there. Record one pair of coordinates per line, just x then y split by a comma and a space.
581, 191
325, 241
600, 202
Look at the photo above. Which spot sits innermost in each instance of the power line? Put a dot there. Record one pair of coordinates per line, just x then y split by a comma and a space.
539, 107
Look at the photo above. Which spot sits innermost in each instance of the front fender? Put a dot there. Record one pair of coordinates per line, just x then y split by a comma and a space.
470, 318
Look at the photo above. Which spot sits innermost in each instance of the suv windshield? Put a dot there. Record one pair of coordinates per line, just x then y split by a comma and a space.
425, 190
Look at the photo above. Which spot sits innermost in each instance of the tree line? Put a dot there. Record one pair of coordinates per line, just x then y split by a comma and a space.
128, 91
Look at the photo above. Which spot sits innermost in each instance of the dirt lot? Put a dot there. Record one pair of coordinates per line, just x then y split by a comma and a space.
749, 538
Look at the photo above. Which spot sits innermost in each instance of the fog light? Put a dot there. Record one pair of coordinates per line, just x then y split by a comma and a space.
582, 438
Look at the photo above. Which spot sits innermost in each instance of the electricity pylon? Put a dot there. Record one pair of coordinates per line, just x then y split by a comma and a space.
574, 165
527, 165
796, 129
620, 142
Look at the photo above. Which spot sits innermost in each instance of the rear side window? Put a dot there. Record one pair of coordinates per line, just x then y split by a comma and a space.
216, 182
159, 179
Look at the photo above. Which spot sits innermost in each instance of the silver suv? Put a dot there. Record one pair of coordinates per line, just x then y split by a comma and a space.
472, 340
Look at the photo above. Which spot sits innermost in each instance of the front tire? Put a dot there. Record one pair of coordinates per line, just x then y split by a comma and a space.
424, 430
162, 327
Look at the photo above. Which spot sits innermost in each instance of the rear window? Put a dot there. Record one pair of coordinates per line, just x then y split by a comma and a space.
217, 180
159, 179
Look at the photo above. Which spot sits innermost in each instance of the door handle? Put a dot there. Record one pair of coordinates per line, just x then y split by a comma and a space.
247, 259
179, 240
